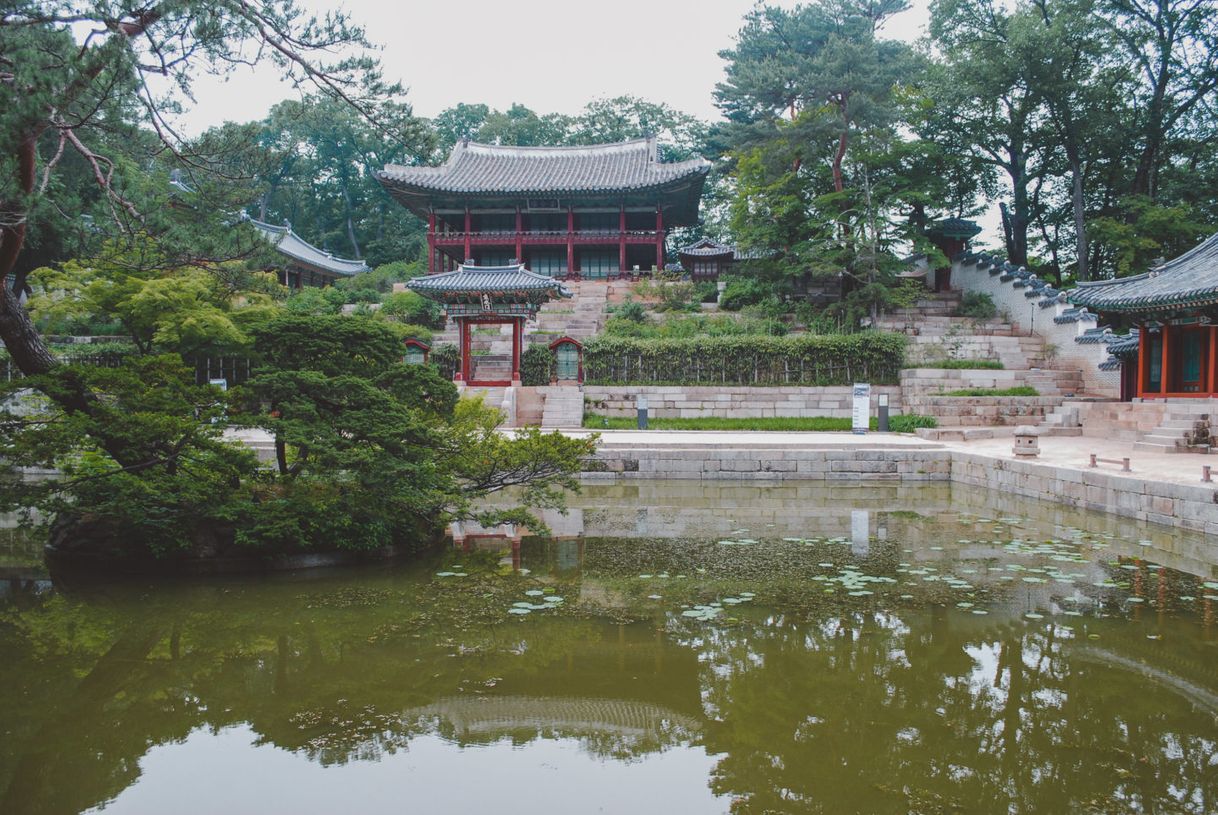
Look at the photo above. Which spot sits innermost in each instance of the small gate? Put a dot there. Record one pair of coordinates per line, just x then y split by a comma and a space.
568, 360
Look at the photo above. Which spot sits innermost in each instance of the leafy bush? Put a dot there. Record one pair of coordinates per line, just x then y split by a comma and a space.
446, 357
908, 423
746, 360
537, 366
741, 292
695, 325
977, 305
631, 311
408, 307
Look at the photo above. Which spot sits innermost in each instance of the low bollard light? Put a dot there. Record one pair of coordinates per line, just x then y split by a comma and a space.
881, 421
641, 404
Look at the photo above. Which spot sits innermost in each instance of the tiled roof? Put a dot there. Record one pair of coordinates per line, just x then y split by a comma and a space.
291, 245
707, 248
1189, 281
479, 279
489, 168
954, 228
1120, 348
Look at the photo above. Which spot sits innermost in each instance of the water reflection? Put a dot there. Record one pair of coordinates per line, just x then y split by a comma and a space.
378, 691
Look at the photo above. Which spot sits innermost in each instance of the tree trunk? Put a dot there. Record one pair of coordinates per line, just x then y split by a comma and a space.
1080, 216
21, 338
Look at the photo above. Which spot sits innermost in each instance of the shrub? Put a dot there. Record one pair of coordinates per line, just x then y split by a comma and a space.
446, 357
536, 366
706, 292
910, 423
741, 292
746, 360
632, 311
408, 307
977, 305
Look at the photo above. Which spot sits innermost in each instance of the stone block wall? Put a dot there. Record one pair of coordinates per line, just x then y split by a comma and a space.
669, 401
1029, 314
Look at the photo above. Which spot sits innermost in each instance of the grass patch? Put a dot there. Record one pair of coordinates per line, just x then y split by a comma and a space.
1021, 390
962, 364
896, 424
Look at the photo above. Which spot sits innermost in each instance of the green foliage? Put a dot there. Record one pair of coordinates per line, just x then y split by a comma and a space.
746, 360
631, 311
537, 365
446, 357
818, 424
160, 307
409, 307
1019, 390
743, 291
706, 291
977, 305
1142, 232
695, 325
147, 465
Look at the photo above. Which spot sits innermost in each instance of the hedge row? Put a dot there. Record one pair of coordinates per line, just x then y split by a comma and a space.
838, 359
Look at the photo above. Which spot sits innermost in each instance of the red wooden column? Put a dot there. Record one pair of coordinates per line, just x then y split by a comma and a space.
468, 227
517, 331
1143, 344
1211, 380
570, 242
431, 243
659, 239
463, 332
621, 241
1164, 371
519, 236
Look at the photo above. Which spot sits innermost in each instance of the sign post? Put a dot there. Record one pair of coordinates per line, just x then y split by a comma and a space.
862, 407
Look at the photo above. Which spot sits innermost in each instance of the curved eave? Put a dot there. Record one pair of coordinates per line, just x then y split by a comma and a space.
683, 194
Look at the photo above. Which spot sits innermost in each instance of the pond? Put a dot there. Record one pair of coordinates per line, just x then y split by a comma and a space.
671, 646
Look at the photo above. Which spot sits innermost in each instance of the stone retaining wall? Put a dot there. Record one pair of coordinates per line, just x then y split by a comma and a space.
984, 411
1177, 505
737, 401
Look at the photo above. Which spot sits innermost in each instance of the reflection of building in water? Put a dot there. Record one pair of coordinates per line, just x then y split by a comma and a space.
476, 718
622, 688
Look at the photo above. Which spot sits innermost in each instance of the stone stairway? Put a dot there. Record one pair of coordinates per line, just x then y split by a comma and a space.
1184, 428
564, 406
935, 334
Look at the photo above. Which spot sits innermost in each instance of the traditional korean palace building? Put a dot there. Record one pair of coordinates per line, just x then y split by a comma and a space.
597, 211
1175, 306
304, 264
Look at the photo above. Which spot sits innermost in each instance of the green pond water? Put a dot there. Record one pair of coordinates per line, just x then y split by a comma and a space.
674, 647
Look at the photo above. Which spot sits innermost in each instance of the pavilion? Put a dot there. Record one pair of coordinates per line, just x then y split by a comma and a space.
707, 259
1174, 305
586, 212
482, 295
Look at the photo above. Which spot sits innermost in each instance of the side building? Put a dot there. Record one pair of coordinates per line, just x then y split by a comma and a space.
304, 264
1174, 306
590, 212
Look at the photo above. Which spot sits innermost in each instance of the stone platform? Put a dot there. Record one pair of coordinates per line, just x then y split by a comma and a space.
1162, 488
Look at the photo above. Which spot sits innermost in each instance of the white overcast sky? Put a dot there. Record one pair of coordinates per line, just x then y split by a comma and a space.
553, 56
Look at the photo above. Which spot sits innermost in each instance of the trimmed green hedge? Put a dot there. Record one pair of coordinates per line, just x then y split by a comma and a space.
835, 359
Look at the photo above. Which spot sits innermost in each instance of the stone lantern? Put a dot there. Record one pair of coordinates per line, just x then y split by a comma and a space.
1027, 441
